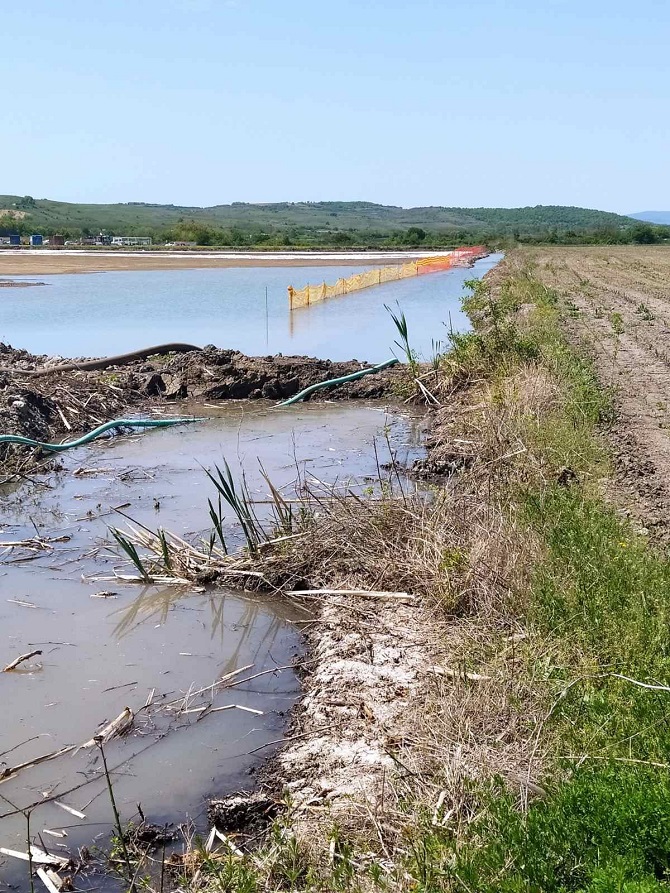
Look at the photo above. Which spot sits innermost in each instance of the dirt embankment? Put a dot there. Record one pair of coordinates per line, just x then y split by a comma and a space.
46, 262
403, 705
619, 303
65, 404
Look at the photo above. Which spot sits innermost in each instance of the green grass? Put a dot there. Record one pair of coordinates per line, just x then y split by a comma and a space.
600, 597
603, 831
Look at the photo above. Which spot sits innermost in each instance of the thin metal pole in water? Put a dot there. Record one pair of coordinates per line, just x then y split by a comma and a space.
267, 324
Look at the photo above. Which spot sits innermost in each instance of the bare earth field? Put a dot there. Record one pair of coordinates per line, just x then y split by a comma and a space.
620, 308
43, 262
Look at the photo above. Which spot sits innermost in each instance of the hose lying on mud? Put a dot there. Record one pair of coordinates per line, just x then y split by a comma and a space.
120, 359
96, 432
335, 381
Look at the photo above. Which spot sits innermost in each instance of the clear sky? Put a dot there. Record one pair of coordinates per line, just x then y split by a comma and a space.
431, 102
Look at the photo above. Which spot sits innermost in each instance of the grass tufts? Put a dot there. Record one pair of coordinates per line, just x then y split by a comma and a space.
131, 551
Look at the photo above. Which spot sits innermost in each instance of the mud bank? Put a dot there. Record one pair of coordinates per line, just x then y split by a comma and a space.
390, 720
64, 404
371, 664
18, 283
373, 659
388, 708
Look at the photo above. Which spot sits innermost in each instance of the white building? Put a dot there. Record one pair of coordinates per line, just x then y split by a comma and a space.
131, 241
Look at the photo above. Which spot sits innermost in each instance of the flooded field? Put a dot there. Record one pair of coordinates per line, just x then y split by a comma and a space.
152, 648
96, 314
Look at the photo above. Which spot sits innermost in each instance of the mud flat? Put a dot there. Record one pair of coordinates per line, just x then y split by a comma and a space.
30, 263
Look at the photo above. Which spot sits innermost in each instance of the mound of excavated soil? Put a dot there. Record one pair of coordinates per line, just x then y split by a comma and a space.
66, 403
213, 374
18, 283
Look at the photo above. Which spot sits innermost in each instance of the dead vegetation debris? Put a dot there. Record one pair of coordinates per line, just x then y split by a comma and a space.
65, 404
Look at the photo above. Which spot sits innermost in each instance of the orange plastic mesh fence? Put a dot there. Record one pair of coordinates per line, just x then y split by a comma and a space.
313, 294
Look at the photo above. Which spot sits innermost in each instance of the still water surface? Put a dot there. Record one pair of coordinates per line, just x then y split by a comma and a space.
94, 314
101, 654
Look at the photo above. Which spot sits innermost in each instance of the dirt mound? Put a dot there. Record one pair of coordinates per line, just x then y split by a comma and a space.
18, 283
214, 374
10, 356
67, 403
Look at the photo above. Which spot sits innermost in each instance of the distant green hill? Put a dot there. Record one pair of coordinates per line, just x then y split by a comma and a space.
334, 223
662, 217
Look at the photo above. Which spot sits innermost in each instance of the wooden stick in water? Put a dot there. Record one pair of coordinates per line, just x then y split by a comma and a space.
19, 660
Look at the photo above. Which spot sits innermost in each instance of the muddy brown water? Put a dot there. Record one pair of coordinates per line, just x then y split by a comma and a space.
102, 654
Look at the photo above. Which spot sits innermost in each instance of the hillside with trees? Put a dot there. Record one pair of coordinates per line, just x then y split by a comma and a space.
326, 224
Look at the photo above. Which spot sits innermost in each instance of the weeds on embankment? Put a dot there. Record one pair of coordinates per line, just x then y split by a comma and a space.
564, 612
600, 599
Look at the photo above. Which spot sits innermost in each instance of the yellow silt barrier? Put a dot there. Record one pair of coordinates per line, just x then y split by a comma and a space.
314, 294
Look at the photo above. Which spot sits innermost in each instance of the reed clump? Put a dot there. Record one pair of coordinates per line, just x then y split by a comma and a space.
423, 541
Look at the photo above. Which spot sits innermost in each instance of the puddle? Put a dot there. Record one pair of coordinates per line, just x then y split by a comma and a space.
103, 654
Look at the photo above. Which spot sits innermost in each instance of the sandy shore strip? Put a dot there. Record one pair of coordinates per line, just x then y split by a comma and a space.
26, 262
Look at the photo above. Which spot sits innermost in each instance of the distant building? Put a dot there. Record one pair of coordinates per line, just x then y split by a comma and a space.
131, 241
36, 240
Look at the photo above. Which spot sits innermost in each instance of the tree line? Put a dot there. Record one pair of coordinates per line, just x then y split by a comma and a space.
205, 235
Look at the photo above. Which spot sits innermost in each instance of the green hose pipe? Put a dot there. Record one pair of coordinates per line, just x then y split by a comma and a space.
335, 381
96, 432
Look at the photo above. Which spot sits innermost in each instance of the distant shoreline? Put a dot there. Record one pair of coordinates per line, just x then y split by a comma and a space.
18, 283
44, 261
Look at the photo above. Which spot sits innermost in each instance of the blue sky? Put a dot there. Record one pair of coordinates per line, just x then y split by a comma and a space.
201, 102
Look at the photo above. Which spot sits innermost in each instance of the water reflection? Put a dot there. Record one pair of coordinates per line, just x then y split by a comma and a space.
227, 307
234, 636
